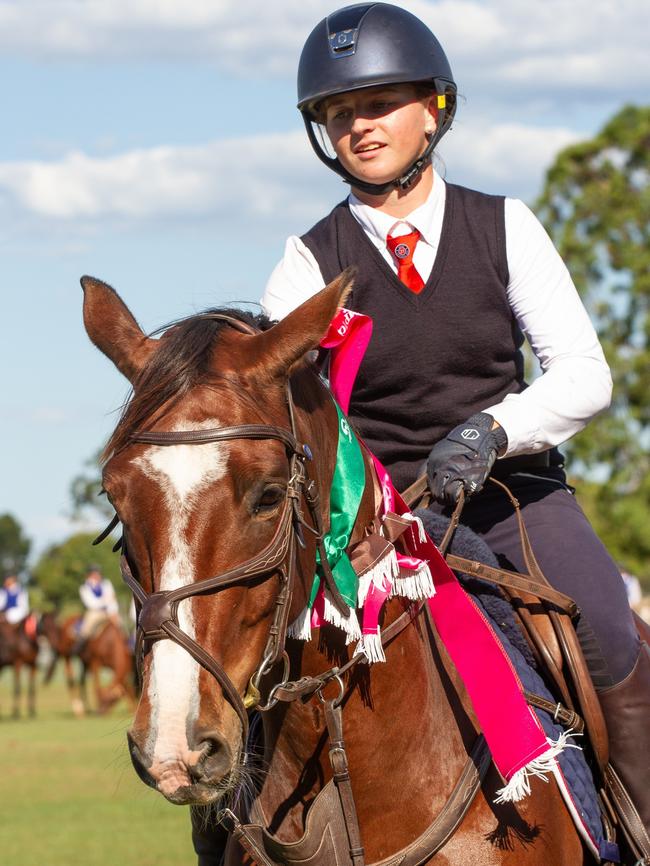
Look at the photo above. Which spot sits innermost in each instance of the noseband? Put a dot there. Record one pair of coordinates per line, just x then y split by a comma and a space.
158, 617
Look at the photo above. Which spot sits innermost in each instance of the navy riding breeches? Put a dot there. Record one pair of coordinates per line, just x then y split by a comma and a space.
572, 558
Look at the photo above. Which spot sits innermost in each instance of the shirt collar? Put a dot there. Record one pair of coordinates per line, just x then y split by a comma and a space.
378, 225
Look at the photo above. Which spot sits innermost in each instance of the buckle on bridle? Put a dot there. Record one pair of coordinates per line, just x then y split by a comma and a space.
253, 695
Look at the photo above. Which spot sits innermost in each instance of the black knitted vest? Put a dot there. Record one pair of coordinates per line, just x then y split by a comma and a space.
438, 357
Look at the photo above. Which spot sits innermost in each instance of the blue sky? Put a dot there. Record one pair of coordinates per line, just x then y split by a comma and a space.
155, 144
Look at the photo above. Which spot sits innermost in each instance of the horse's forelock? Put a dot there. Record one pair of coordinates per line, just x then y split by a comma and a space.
181, 362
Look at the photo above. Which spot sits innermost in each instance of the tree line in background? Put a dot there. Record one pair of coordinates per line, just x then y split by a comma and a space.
55, 579
595, 204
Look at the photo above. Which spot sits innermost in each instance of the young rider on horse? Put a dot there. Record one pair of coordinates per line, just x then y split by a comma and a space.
14, 600
451, 278
98, 597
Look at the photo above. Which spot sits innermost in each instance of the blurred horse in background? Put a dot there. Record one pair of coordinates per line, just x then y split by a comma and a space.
19, 649
108, 648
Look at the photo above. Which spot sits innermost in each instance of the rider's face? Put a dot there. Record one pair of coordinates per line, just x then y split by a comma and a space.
377, 132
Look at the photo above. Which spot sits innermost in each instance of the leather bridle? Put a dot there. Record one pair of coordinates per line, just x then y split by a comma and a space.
158, 616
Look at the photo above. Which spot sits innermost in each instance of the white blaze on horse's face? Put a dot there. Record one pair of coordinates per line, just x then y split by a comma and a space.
181, 471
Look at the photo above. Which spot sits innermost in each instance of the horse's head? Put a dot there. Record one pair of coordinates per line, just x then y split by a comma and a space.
205, 470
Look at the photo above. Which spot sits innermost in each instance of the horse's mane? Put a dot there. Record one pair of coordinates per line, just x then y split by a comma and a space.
181, 362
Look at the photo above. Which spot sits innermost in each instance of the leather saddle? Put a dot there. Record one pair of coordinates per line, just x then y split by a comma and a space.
545, 619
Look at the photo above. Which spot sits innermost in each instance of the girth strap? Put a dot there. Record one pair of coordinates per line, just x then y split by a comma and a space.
451, 814
567, 718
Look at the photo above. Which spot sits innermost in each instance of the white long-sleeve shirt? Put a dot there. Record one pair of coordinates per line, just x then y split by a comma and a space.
575, 383
19, 610
106, 601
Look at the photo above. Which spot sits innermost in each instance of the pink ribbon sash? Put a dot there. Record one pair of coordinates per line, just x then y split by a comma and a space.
512, 730
510, 726
348, 337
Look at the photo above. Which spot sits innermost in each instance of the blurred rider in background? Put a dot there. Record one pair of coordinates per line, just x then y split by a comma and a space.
14, 600
99, 599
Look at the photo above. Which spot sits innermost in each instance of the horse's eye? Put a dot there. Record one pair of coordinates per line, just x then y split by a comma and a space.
271, 497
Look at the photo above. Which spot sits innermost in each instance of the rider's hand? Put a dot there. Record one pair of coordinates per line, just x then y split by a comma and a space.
464, 458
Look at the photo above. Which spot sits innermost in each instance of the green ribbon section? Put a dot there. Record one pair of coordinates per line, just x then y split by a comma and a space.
348, 485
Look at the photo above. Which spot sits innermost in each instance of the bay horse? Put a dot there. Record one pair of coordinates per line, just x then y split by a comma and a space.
219, 471
19, 650
108, 649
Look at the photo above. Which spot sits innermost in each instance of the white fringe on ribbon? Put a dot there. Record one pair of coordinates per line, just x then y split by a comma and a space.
371, 646
417, 525
300, 628
414, 585
519, 786
349, 624
385, 570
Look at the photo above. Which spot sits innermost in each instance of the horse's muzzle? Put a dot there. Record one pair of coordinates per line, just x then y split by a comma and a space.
199, 778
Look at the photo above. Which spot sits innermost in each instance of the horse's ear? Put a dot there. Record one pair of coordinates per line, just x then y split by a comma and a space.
112, 328
287, 343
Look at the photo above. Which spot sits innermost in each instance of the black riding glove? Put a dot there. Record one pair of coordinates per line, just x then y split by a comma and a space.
464, 458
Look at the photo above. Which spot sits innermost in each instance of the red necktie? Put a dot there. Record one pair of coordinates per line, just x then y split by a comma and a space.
402, 249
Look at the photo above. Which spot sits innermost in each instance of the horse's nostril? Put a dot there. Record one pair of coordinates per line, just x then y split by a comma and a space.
209, 748
215, 761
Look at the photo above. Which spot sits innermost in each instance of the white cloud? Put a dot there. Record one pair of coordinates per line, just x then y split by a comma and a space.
583, 45
598, 46
256, 175
230, 34
508, 158
261, 180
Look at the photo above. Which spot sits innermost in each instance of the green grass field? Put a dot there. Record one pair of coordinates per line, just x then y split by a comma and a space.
70, 797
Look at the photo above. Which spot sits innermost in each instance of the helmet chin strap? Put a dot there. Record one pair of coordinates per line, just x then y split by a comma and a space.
404, 181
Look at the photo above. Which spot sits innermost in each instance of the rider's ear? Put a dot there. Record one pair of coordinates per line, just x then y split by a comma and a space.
112, 328
287, 343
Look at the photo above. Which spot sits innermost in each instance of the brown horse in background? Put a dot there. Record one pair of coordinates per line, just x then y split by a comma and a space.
192, 508
19, 650
107, 648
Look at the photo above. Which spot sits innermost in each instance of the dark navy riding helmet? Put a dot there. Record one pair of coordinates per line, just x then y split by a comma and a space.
371, 44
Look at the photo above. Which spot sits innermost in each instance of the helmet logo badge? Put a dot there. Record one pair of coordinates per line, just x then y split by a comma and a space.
343, 42
402, 251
